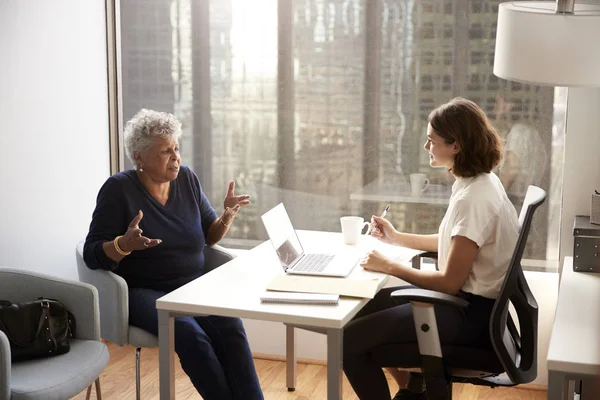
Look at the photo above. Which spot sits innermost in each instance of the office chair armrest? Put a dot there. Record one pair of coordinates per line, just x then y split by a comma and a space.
422, 302
428, 338
215, 256
428, 296
416, 261
429, 254
4, 367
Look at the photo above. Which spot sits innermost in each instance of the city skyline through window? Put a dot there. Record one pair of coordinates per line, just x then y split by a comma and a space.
320, 125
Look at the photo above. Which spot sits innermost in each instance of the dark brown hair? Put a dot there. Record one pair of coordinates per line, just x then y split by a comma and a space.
464, 122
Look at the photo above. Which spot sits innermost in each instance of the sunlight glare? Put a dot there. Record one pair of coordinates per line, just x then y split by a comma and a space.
254, 38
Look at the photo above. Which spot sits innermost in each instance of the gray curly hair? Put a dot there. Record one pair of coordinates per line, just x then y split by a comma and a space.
142, 130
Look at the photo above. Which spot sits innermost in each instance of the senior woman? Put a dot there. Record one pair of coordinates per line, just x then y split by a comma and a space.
150, 226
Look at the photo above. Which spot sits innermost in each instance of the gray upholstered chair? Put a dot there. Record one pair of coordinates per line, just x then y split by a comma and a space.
59, 377
114, 304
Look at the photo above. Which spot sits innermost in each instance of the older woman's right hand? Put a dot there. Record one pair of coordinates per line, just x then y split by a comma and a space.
133, 239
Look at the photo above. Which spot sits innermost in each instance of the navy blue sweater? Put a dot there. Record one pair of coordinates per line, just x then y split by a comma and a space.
182, 225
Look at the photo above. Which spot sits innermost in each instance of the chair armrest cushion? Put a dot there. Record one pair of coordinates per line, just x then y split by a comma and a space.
215, 256
429, 254
113, 296
428, 296
82, 300
4, 367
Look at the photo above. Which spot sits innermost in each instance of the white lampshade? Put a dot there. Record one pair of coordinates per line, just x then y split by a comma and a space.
536, 45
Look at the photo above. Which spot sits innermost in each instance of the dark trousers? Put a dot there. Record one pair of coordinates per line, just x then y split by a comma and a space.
213, 351
386, 321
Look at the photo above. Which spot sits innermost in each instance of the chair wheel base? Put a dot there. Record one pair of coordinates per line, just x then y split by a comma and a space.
291, 389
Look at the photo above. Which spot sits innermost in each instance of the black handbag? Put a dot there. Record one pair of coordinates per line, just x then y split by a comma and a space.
35, 329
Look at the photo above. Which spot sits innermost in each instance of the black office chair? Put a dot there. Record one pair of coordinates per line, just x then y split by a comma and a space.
512, 351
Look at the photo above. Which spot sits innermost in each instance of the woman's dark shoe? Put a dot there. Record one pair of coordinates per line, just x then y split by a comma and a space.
404, 394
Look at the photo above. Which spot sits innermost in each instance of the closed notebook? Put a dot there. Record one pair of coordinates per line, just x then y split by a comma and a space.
300, 298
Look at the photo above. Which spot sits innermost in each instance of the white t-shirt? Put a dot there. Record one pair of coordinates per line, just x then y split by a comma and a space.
480, 210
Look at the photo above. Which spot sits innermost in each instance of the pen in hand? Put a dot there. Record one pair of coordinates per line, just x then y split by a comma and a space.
374, 225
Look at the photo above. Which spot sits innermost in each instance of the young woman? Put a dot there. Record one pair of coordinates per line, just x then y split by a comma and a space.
474, 242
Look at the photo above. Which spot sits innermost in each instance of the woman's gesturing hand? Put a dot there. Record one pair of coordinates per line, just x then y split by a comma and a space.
382, 229
133, 239
233, 203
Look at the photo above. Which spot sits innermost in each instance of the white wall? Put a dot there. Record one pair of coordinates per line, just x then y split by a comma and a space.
54, 129
582, 160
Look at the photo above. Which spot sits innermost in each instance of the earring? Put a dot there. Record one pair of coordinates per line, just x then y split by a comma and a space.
141, 169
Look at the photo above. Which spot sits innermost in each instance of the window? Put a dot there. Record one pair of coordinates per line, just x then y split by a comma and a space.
348, 145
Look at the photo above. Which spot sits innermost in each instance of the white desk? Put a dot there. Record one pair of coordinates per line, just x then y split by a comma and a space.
234, 290
574, 351
399, 192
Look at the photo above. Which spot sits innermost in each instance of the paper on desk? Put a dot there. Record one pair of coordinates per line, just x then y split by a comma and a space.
366, 288
360, 283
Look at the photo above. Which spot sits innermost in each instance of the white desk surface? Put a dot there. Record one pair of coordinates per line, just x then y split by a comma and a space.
234, 289
575, 340
399, 192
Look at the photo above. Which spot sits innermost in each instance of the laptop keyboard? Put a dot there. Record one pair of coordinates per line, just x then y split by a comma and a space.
313, 262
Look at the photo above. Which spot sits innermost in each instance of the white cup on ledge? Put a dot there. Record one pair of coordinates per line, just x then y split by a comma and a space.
352, 228
418, 184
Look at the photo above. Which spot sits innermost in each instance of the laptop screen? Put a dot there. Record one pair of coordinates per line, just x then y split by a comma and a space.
282, 235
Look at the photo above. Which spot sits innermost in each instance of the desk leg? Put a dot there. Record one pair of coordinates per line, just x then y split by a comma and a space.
290, 358
334, 364
590, 388
166, 348
569, 388
557, 386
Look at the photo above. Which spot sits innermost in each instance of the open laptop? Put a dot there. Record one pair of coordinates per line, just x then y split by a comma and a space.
291, 255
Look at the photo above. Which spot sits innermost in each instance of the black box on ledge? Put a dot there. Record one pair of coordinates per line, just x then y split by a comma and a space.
586, 245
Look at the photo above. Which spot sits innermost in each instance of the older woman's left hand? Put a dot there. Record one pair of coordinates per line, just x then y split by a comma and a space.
233, 203
375, 261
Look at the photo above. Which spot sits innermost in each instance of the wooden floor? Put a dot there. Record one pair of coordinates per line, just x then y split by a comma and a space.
118, 381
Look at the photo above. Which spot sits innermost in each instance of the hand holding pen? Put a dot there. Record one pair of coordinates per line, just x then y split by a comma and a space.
374, 224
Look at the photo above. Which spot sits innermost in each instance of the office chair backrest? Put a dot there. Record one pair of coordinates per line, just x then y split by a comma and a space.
518, 352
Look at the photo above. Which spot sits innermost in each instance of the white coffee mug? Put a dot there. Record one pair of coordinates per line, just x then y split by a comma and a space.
418, 184
352, 228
